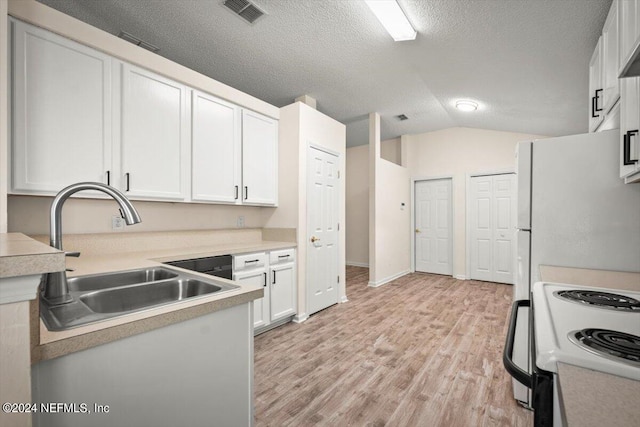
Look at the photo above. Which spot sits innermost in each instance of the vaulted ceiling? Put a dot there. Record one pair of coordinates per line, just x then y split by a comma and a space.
524, 61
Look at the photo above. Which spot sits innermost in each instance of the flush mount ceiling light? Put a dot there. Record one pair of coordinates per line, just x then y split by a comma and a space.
466, 105
392, 19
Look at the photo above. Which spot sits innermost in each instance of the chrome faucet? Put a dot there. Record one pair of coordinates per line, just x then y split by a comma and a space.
55, 289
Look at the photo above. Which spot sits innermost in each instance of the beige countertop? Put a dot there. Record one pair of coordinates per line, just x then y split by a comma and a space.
21, 255
595, 399
592, 278
591, 398
100, 255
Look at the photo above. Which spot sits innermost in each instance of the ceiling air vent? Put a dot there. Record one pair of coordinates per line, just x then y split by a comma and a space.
244, 9
402, 117
133, 39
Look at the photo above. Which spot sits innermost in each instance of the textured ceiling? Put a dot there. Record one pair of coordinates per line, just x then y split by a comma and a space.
525, 62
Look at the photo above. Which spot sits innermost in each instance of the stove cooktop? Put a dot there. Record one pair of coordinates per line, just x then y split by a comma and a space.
615, 345
600, 299
593, 328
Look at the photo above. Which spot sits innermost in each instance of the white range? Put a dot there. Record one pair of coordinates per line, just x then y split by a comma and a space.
593, 328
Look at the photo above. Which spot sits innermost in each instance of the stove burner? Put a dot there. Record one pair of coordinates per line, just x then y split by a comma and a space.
601, 299
614, 345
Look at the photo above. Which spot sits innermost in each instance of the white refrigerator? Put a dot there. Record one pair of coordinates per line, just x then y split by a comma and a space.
573, 211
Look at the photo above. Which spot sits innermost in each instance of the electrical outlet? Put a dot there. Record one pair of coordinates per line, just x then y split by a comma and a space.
117, 222
240, 221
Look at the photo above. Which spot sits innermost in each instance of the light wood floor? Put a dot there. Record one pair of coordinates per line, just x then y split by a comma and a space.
424, 350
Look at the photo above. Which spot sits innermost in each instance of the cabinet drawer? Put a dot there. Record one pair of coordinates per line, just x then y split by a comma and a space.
248, 261
282, 256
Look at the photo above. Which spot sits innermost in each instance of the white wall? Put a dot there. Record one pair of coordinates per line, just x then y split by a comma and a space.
357, 220
450, 152
390, 150
389, 218
4, 162
301, 126
393, 222
30, 215
458, 152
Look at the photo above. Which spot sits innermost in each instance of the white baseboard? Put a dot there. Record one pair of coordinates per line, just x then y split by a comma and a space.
387, 279
357, 264
460, 277
299, 318
343, 299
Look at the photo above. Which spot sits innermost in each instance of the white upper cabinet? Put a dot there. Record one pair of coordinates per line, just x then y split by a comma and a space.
259, 159
80, 115
596, 113
610, 59
61, 112
154, 135
216, 150
629, 129
629, 21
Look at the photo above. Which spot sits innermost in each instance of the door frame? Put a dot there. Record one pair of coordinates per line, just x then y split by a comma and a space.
467, 222
413, 217
341, 297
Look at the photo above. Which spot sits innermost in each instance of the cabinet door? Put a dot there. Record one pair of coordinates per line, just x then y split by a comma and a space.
61, 112
257, 277
154, 146
283, 291
611, 62
259, 159
629, 21
596, 113
629, 124
215, 157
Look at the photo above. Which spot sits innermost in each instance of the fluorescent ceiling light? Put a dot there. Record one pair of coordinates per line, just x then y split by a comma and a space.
392, 19
466, 105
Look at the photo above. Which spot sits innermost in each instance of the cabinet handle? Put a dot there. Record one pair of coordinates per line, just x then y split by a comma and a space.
236, 192
593, 108
274, 278
251, 261
284, 256
265, 280
598, 97
246, 192
627, 148
127, 177
108, 177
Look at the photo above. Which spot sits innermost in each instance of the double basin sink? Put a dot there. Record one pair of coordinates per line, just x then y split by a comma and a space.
104, 296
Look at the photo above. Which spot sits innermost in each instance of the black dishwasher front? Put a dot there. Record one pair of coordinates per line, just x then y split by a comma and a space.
219, 266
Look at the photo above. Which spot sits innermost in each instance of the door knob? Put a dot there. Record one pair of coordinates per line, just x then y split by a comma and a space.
314, 239
417, 230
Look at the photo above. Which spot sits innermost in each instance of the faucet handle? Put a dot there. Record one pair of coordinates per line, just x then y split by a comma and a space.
73, 254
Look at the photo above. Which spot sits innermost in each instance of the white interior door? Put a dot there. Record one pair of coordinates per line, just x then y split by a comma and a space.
322, 226
433, 234
492, 222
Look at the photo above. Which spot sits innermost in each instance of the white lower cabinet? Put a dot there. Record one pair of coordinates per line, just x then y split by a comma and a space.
257, 277
276, 273
282, 270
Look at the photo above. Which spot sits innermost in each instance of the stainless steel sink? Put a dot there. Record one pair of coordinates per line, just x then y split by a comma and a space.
103, 296
131, 298
119, 278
